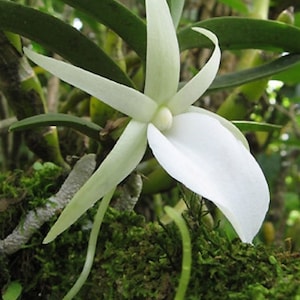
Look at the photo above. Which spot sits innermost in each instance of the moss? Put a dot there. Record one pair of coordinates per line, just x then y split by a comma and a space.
136, 259
143, 260
23, 191
20, 192
132, 260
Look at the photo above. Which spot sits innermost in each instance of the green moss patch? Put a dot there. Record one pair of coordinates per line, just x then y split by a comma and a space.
136, 259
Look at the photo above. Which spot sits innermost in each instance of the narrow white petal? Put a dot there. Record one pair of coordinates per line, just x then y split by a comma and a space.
194, 89
234, 130
162, 60
127, 100
202, 154
119, 163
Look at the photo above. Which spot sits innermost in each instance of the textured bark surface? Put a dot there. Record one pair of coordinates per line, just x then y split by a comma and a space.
36, 218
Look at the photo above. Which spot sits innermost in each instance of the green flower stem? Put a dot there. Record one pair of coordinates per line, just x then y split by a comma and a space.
186, 252
91, 246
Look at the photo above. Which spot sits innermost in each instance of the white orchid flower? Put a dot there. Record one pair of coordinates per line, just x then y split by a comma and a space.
198, 148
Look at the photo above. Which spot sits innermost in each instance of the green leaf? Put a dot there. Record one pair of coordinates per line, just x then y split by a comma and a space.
56, 119
290, 76
248, 33
255, 126
117, 17
276, 66
61, 38
243, 33
13, 291
176, 8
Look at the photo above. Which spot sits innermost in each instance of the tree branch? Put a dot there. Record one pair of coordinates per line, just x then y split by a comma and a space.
81, 172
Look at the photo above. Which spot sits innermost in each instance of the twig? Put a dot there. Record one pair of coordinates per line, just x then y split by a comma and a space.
129, 193
36, 218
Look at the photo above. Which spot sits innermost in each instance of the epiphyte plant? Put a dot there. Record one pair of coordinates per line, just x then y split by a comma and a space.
198, 148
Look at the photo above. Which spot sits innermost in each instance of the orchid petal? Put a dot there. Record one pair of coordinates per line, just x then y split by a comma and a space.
230, 126
205, 156
162, 61
119, 163
194, 89
127, 100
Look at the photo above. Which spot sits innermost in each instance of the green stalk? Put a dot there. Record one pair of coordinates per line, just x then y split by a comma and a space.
186, 252
103, 206
260, 9
25, 96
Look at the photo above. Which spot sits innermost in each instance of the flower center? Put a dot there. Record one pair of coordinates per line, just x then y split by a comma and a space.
163, 119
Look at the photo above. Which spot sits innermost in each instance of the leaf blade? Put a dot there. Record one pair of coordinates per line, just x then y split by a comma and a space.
117, 17
57, 119
276, 66
248, 34
61, 38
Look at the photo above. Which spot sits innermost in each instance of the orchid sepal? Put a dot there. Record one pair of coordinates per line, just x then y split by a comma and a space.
163, 62
119, 163
195, 88
125, 99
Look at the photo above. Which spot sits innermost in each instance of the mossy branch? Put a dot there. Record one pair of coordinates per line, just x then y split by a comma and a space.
36, 218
